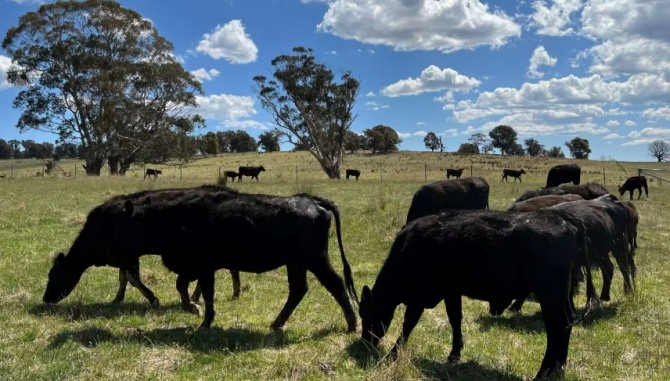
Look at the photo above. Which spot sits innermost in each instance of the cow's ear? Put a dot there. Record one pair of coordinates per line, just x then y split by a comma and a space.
59, 258
128, 207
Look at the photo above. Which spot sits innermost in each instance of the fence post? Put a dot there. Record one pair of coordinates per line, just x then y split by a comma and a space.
470, 169
381, 175
296, 173
180, 176
604, 180
75, 171
11, 171
425, 172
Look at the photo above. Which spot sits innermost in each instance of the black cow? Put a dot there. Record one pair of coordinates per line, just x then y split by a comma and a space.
206, 230
353, 172
454, 172
540, 202
633, 183
232, 174
469, 193
564, 173
512, 173
152, 172
587, 191
250, 171
104, 216
487, 255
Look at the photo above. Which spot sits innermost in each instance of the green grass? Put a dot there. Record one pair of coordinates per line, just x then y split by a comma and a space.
85, 337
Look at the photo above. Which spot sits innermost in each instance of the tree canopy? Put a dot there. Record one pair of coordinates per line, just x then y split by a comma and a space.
269, 141
432, 141
579, 148
95, 72
309, 107
381, 139
504, 138
468, 149
533, 147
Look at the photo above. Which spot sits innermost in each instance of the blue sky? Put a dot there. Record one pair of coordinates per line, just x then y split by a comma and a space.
553, 70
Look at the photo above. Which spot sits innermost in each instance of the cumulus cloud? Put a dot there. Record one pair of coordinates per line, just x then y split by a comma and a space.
612, 136
612, 123
629, 123
230, 42
228, 110
432, 78
407, 25
5, 63
657, 113
205, 75
555, 20
371, 105
540, 57
647, 135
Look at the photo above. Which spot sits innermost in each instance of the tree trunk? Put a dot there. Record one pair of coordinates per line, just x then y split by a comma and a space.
93, 166
113, 162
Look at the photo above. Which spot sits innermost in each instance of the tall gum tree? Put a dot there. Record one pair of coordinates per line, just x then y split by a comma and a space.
310, 109
99, 73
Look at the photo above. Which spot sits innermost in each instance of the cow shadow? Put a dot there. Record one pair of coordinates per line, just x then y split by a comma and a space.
463, 371
108, 310
364, 354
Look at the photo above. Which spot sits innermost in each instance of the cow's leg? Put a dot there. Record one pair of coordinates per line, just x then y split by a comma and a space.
206, 283
607, 268
123, 282
518, 304
133, 274
455, 314
182, 289
640, 194
558, 326
623, 259
412, 315
297, 288
591, 297
325, 273
235, 275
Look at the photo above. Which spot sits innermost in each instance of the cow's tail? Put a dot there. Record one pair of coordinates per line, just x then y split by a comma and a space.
348, 275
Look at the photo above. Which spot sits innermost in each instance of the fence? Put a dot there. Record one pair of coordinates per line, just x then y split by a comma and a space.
654, 173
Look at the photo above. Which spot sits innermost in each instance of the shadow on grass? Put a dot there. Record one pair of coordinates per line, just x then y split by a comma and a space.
464, 371
364, 354
80, 312
535, 323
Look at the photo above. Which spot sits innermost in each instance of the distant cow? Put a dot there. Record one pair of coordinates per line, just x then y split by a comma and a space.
232, 174
635, 182
152, 172
539, 202
512, 173
469, 193
106, 215
564, 173
486, 255
208, 229
588, 191
250, 171
353, 172
455, 172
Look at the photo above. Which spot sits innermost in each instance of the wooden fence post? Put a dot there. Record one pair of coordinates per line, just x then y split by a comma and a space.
425, 172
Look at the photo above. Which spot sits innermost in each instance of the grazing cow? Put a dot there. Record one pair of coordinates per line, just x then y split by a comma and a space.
232, 175
101, 221
543, 202
487, 255
206, 230
469, 193
512, 173
250, 171
633, 183
152, 172
587, 191
564, 173
455, 172
353, 172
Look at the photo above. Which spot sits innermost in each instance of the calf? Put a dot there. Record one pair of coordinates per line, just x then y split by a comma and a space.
260, 233
250, 171
512, 173
152, 172
486, 255
470, 193
455, 172
232, 175
587, 191
564, 173
632, 183
353, 172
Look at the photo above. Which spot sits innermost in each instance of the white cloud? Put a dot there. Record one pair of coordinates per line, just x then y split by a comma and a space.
370, 105
612, 123
432, 79
652, 133
629, 123
407, 25
657, 113
371, 94
540, 57
205, 75
230, 42
5, 63
226, 108
420, 123
555, 20
612, 136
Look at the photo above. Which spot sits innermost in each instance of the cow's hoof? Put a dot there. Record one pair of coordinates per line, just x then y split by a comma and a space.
117, 300
193, 309
155, 303
276, 328
454, 359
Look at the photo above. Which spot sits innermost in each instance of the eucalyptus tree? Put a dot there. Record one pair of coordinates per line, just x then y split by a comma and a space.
95, 72
310, 108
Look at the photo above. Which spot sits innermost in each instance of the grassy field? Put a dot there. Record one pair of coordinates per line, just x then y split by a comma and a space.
85, 337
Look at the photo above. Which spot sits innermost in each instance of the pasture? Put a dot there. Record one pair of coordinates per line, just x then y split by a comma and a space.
86, 337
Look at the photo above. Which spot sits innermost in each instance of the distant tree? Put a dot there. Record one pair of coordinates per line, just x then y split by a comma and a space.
16, 151
309, 106
6, 150
659, 149
480, 140
579, 148
382, 139
468, 149
431, 141
486, 148
269, 141
66, 150
533, 147
210, 144
555, 151
504, 138
517, 150
352, 141
36, 150
243, 142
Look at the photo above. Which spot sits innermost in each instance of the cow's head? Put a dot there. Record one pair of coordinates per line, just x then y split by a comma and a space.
261, 168
522, 171
63, 277
621, 190
497, 307
375, 318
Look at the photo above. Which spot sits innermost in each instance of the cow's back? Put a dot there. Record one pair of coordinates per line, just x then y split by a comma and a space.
469, 193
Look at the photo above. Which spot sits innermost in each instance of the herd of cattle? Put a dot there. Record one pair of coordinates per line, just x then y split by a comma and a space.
451, 246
